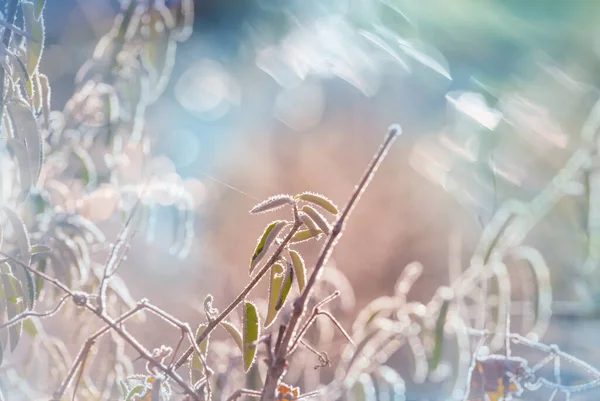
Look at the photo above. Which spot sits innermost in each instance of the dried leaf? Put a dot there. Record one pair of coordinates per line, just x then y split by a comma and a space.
251, 331
299, 269
319, 200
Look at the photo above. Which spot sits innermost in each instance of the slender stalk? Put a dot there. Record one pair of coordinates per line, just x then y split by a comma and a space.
279, 363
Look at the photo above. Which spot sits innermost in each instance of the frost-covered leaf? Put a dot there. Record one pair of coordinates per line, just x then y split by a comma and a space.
317, 218
288, 279
305, 235
19, 150
197, 368
28, 132
35, 28
275, 286
251, 331
299, 269
13, 293
39, 7
21, 235
234, 333
27, 282
439, 336
273, 203
267, 238
319, 200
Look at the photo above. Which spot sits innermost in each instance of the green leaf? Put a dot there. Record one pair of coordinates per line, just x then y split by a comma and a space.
234, 333
39, 7
275, 286
138, 391
35, 28
299, 269
287, 285
14, 306
30, 328
89, 175
319, 200
26, 279
25, 79
197, 368
305, 235
21, 234
317, 218
41, 267
265, 241
439, 336
45, 93
273, 203
251, 331
19, 150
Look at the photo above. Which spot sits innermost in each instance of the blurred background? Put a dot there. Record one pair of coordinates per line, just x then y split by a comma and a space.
286, 96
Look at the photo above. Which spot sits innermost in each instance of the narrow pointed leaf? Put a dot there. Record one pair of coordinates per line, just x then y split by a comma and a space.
309, 223
319, 200
136, 392
35, 28
45, 93
39, 7
304, 235
285, 288
19, 150
250, 334
27, 282
267, 238
42, 264
275, 286
197, 368
317, 218
30, 327
234, 333
273, 203
439, 336
14, 305
21, 235
299, 269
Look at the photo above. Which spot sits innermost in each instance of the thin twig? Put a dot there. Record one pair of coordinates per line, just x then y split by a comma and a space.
27, 314
278, 365
249, 287
238, 393
115, 257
